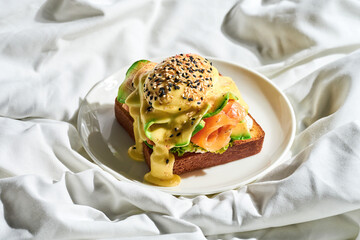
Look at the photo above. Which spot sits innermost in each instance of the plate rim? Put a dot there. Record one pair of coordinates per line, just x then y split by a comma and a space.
171, 190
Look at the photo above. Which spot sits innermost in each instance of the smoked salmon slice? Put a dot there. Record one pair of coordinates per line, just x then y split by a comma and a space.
217, 130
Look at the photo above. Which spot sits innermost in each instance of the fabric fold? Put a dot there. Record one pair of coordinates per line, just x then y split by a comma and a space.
53, 52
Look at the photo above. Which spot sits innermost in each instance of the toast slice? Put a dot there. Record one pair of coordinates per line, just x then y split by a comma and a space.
194, 161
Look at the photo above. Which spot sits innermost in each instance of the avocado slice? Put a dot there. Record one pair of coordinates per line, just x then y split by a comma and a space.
146, 129
147, 126
240, 132
126, 87
198, 127
222, 104
149, 145
148, 133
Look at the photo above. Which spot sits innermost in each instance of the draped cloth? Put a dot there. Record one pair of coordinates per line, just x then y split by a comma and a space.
51, 54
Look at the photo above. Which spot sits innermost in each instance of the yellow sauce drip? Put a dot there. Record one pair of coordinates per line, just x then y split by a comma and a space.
162, 163
136, 151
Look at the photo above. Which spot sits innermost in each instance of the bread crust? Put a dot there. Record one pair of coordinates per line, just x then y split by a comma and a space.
194, 161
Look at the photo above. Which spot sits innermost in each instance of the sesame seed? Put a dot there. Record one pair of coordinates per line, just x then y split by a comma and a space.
167, 161
178, 134
171, 135
179, 109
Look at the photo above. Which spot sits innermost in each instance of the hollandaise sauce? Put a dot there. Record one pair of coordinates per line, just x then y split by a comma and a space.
168, 101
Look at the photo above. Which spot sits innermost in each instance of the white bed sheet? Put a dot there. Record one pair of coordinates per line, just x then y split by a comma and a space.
52, 52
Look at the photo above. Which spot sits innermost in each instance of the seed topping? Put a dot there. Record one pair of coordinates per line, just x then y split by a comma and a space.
188, 73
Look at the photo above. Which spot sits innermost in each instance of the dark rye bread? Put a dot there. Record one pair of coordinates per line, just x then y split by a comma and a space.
194, 161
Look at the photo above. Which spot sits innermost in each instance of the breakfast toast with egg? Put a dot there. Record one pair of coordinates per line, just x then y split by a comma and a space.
194, 161
184, 115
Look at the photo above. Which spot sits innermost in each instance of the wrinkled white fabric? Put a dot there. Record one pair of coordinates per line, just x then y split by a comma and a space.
51, 54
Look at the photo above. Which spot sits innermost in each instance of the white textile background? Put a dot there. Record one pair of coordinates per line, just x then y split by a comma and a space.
52, 52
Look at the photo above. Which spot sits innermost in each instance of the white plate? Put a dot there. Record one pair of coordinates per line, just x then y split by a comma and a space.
107, 142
